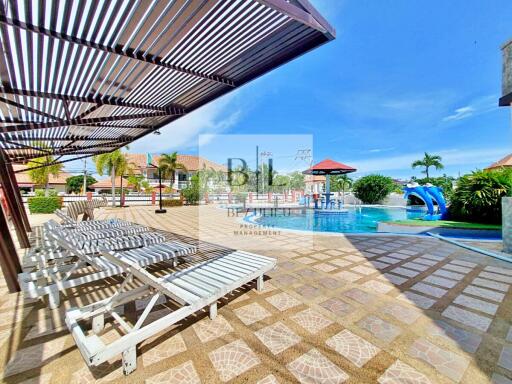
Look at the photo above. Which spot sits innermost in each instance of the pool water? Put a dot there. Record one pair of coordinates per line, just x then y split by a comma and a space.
360, 219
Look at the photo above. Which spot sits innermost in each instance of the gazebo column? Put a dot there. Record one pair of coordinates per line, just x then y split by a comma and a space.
10, 197
327, 190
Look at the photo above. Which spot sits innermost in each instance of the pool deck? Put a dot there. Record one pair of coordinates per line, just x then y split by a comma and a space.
354, 309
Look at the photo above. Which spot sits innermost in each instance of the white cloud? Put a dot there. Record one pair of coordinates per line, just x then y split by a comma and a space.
477, 107
378, 150
450, 157
183, 133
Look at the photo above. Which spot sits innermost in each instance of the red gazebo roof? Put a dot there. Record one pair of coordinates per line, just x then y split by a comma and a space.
329, 167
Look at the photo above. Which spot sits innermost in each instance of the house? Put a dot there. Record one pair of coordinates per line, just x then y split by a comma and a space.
314, 184
25, 184
505, 162
138, 162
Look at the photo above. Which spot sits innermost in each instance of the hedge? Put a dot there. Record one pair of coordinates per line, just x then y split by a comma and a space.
43, 204
172, 203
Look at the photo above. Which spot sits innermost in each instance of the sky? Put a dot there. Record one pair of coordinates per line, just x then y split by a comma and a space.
401, 78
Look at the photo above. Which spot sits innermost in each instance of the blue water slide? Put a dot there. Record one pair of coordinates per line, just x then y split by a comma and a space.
428, 194
437, 195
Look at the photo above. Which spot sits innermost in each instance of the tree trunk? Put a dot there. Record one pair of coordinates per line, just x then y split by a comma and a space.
426, 171
113, 178
46, 185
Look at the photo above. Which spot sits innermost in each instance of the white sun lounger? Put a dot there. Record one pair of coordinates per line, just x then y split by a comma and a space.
105, 223
192, 288
50, 281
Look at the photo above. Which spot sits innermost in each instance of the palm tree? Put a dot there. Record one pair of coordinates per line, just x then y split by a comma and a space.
341, 183
429, 161
168, 165
114, 164
41, 176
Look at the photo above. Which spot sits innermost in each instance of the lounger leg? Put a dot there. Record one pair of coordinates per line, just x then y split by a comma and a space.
175, 262
53, 299
213, 310
129, 360
260, 284
98, 323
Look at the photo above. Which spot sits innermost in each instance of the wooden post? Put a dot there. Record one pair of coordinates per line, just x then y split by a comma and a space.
153, 198
19, 198
9, 261
10, 197
250, 197
89, 196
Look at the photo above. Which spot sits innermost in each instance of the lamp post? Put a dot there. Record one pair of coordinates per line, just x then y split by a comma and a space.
160, 210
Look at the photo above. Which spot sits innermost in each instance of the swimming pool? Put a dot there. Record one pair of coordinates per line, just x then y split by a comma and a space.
355, 220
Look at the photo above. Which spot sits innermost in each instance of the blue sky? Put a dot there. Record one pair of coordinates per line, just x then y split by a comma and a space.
401, 78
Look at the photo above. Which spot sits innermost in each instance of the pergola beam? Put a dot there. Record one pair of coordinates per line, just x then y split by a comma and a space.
102, 99
94, 120
119, 49
61, 161
27, 108
71, 138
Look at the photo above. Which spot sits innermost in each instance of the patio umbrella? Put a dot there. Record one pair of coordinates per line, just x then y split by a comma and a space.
327, 168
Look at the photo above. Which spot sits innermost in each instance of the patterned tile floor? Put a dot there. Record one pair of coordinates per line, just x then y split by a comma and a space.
354, 309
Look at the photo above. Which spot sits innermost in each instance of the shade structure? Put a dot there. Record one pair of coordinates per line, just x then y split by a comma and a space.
329, 167
84, 77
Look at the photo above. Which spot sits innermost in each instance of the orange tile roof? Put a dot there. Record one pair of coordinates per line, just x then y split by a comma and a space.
505, 162
23, 178
191, 162
107, 183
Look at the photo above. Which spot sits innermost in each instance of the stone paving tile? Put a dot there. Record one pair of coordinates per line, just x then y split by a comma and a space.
42, 328
394, 279
363, 270
287, 265
348, 276
468, 318
320, 256
337, 306
377, 286
311, 320
496, 277
509, 334
285, 279
416, 300
379, 328
334, 252
233, 359
359, 295
445, 362
330, 283
277, 337
378, 264
306, 260
491, 284
43, 379
182, 374
429, 290
484, 293
409, 252
457, 268
468, 341
309, 274
448, 274
283, 301
500, 270
500, 379
353, 347
308, 291
340, 263
505, 360
479, 305
401, 373
405, 315
389, 260
377, 250
163, 349
354, 259
416, 266
251, 313
270, 379
324, 267
464, 263
313, 367
422, 260
28, 358
405, 272
208, 330
433, 257
440, 281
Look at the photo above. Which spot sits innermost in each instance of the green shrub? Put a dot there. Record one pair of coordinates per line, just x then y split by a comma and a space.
172, 203
191, 193
41, 193
41, 204
478, 196
372, 189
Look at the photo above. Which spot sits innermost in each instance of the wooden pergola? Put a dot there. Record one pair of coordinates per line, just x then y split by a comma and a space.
85, 77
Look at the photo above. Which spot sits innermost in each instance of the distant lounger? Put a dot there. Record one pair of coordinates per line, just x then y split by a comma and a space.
192, 289
50, 281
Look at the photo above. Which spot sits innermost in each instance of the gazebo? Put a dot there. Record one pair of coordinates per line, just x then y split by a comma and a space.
327, 168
